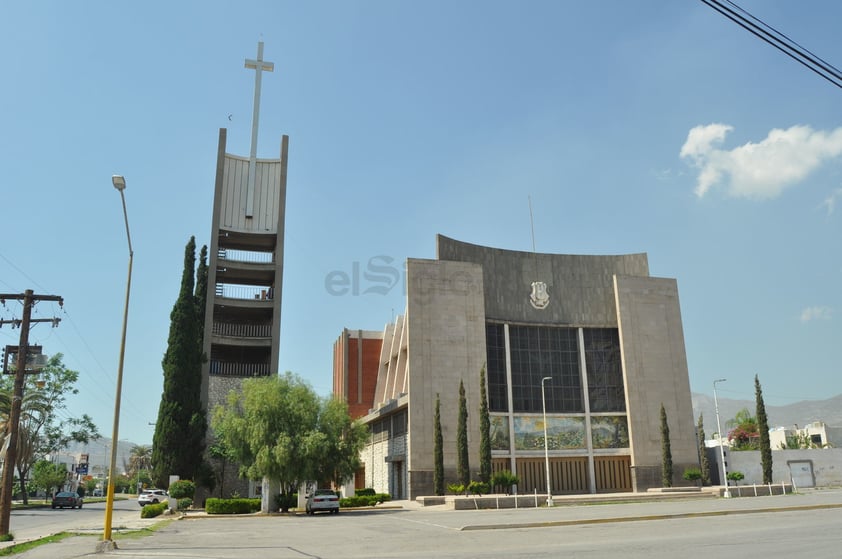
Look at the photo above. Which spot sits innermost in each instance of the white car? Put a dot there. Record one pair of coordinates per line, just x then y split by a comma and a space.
322, 499
151, 496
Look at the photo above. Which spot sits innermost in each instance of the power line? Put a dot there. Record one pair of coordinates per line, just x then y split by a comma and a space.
777, 39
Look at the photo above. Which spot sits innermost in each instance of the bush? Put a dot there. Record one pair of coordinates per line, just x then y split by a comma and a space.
185, 503
736, 477
456, 488
286, 502
692, 474
151, 511
364, 500
182, 489
231, 506
478, 488
365, 491
505, 479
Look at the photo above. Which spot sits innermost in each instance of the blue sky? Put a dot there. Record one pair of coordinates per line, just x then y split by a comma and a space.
646, 126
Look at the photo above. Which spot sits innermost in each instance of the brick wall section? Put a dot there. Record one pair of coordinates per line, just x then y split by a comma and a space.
356, 387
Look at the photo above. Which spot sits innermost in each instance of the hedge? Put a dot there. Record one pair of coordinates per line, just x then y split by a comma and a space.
364, 500
232, 506
153, 510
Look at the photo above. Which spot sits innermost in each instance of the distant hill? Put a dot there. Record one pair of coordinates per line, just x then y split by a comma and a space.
799, 413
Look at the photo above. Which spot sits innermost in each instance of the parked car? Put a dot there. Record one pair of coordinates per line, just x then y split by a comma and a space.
66, 499
322, 500
97, 492
151, 496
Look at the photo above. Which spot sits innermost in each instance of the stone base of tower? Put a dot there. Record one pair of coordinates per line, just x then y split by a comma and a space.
229, 484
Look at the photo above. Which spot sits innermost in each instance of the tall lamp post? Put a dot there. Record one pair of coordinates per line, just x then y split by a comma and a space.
546, 446
120, 184
727, 493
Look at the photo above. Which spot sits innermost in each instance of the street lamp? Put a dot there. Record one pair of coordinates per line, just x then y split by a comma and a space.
546, 447
119, 183
727, 493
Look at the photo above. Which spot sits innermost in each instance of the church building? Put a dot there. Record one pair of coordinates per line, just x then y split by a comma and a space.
594, 340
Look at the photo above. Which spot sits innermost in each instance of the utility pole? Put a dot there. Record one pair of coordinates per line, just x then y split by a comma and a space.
29, 299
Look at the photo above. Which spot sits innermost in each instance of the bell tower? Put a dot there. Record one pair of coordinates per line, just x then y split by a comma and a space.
246, 262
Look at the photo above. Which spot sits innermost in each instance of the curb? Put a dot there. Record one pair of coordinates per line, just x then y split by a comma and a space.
551, 523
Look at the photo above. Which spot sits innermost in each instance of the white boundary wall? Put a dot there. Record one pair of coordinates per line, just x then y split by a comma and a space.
826, 466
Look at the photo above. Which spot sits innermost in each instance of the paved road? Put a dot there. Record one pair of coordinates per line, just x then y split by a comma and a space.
27, 524
785, 526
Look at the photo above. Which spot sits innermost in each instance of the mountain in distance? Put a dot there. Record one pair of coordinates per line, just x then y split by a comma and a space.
800, 413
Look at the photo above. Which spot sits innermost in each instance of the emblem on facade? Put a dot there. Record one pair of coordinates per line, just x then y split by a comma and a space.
539, 296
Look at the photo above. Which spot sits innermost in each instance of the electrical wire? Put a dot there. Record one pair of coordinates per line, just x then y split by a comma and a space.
777, 39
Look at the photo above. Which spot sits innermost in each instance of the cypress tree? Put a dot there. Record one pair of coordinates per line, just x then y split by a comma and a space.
484, 432
201, 292
763, 429
666, 452
179, 439
463, 470
438, 459
704, 463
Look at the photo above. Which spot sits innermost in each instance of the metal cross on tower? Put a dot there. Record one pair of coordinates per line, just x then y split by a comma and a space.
258, 66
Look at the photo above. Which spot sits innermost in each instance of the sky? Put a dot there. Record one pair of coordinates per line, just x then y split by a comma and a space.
647, 126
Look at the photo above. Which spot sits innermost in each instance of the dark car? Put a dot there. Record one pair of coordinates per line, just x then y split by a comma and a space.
66, 499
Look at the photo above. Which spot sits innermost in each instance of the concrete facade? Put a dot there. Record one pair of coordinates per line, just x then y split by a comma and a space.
616, 330
245, 283
655, 372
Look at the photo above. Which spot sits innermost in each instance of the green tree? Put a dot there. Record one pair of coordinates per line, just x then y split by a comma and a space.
736, 477
179, 439
703, 455
201, 294
463, 470
666, 452
45, 425
90, 485
139, 464
484, 432
438, 452
182, 489
276, 428
221, 458
140, 458
48, 476
763, 430
744, 433
338, 441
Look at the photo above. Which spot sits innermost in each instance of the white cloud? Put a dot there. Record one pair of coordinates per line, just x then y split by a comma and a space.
758, 170
816, 313
830, 202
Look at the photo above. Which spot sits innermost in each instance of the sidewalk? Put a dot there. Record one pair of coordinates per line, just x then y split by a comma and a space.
193, 529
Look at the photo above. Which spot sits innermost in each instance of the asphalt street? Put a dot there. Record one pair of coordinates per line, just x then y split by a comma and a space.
799, 525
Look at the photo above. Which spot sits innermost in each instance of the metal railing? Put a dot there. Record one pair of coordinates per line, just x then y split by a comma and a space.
251, 292
249, 256
242, 330
232, 369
